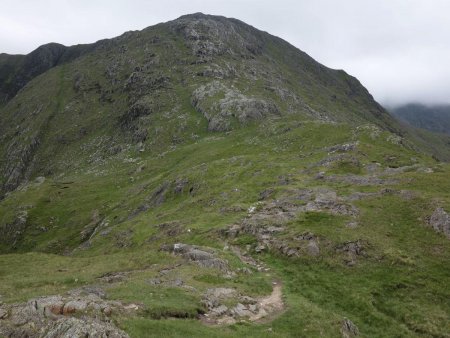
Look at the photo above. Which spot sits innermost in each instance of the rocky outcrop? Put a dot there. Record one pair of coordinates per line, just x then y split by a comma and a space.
267, 221
221, 105
352, 250
53, 316
81, 328
11, 233
18, 157
440, 222
201, 257
208, 36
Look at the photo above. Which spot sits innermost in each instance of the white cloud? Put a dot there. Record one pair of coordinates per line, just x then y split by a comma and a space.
399, 49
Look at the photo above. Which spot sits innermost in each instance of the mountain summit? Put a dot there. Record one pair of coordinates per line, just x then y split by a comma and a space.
203, 178
230, 73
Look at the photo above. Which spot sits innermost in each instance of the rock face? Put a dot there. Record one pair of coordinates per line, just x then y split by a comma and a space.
440, 221
52, 316
220, 105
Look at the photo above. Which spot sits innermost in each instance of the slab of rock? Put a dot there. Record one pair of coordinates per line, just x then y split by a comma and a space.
51, 316
81, 328
201, 257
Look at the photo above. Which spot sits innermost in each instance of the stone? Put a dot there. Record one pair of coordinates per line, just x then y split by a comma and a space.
440, 221
201, 257
74, 306
3, 314
177, 282
248, 300
219, 310
154, 281
260, 248
240, 310
313, 248
79, 328
107, 311
348, 329
49, 306
343, 147
221, 292
354, 248
253, 308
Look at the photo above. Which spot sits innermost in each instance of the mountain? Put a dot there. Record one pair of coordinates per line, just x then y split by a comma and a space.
204, 178
433, 118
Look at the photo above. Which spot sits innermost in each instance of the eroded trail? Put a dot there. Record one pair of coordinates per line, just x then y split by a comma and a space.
261, 309
270, 305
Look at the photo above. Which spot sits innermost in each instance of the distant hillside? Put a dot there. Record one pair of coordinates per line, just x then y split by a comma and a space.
433, 118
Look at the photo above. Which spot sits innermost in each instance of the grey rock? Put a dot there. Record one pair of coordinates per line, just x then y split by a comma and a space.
440, 221
240, 310
348, 329
260, 248
233, 105
154, 281
219, 310
177, 282
313, 248
200, 257
221, 293
74, 306
81, 328
3, 314
343, 147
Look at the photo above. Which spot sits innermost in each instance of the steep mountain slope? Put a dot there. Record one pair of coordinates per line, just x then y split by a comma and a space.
433, 118
17, 70
230, 72
204, 178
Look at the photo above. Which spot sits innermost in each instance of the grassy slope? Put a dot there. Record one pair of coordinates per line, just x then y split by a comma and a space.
399, 290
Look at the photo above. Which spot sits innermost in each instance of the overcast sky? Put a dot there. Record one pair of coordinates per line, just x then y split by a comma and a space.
399, 49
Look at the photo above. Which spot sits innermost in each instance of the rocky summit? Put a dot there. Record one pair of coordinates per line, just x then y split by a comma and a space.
202, 178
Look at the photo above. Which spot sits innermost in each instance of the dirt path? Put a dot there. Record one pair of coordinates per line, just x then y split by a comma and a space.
270, 305
264, 309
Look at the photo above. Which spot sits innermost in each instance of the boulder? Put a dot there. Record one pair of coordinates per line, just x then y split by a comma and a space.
440, 221
313, 248
348, 329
